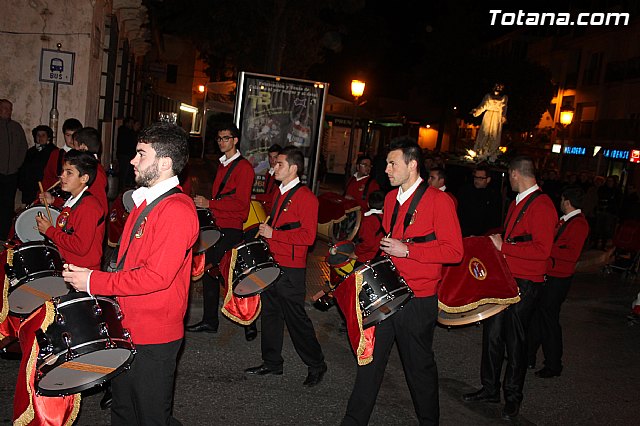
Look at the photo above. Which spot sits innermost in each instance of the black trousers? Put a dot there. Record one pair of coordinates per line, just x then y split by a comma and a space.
9, 185
545, 326
507, 330
283, 303
412, 328
210, 285
143, 395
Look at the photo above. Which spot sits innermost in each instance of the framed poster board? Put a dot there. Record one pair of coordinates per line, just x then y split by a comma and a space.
287, 111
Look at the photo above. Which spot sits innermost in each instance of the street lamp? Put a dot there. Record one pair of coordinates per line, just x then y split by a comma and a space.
566, 117
357, 89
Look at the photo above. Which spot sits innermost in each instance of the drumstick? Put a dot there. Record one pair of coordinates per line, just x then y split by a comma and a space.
52, 186
44, 199
265, 221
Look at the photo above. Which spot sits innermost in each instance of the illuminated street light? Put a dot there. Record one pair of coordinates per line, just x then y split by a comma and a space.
566, 116
357, 89
201, 88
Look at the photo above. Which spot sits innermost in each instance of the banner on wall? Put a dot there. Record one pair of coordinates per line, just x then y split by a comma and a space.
279, 110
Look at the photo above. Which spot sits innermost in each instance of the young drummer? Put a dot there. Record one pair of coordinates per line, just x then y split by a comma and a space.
79, 229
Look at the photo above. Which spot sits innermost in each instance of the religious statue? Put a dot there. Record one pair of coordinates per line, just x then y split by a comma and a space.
494, 106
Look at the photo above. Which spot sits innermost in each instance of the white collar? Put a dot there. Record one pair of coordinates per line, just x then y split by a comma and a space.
355, 175
226, 162
150, 194
73, 200
66, 148
404, 196
521, 196
272, 171
284, 189
443, 188
373, 211
568, 216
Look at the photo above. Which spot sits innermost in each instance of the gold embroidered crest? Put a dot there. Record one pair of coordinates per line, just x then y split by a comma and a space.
140, 230
413, 217
477, 269
62, 219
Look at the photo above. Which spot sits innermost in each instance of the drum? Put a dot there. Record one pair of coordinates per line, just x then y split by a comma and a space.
255, 269
25, 224
478, 287
470, 317
35, 277
257, 216
209, 232
338, 217
384, 291
85, 345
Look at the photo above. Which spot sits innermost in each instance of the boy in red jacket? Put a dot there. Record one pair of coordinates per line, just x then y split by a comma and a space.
153, 285
371, 231
291, 230
571, 233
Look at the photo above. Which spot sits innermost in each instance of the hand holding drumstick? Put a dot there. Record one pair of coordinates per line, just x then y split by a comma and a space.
264, 229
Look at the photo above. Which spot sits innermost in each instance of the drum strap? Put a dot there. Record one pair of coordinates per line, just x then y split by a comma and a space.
141, 217
219, 194
563, 227
381, 228
273, 217
417, 196
288, 226
521, 238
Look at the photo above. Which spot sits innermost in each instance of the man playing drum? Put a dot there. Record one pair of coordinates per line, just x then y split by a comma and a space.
153, 284
528, 237
418, 242
229, 204
291, 230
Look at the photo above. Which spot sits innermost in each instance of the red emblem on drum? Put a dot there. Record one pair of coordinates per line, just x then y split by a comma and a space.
62, 219
140, 230
477, 269
113, 216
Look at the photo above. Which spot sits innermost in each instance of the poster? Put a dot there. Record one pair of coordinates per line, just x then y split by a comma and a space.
286, 111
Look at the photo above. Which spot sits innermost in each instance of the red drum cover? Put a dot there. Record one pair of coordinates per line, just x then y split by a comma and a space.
332, 206
243, 310
482, 277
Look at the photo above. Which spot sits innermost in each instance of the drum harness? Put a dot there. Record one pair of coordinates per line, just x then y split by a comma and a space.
274, 217
526, 237
219, 194
560, 230
112, 266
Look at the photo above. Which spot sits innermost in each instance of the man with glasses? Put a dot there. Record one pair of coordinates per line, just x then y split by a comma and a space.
480, 205
229, 204
361, 184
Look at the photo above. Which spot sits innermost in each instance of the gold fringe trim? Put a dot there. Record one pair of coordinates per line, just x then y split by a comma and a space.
76, 409
229, 295
474, 305
5, 291
362, 342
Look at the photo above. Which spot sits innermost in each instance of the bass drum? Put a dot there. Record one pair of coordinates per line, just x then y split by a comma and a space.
25, 225
470, 317
85, 346
256, 216
255, 269
209, 232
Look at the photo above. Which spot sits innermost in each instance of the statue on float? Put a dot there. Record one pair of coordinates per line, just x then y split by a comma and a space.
494, 107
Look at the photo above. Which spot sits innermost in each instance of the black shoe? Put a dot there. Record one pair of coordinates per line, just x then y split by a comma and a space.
481, 396
547, 373
106, 400
250, 332
510, 410
262, 370
202, 327
315, 377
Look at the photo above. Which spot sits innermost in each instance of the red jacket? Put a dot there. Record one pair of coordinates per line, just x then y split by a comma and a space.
85, 222
289, 247
435, 213
528, 260
567, 248
271, 186
370, 234
231, 211
153, 287
51, 174
355, 189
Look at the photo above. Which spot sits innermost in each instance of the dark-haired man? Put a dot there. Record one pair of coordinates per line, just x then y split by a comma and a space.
479, 207
270, 182
361, 184
32, 170
423, 235
438, 179
526, 246
54, 165
229, 204
289, 233
571, 233
153, 284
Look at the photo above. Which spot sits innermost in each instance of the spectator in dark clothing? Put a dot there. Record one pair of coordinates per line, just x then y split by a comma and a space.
609, 202
630, 204
32, 170
479, 206
584, 181
126, 150
552, 186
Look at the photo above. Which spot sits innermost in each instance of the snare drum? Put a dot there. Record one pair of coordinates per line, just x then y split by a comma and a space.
209, 232
25, 223
255, 269
384, 291
34, 277
85, 345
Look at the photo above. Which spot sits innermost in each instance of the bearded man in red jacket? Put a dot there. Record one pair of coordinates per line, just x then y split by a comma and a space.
289, 233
